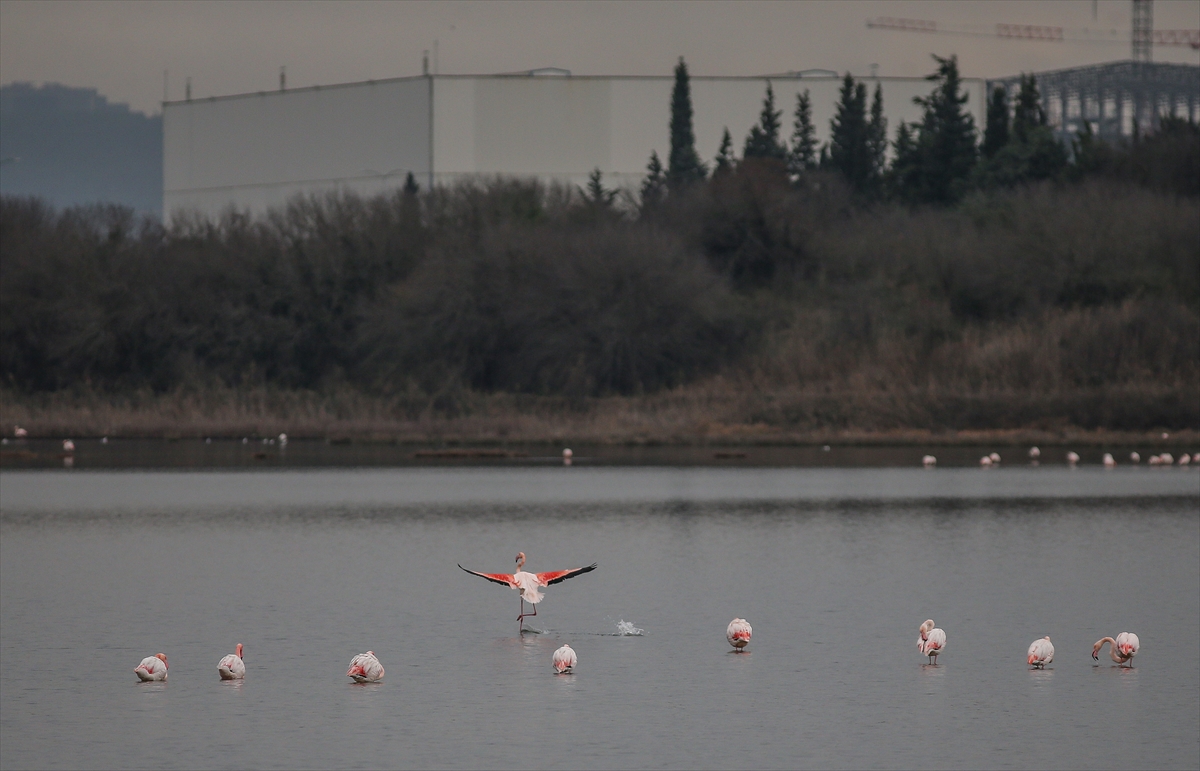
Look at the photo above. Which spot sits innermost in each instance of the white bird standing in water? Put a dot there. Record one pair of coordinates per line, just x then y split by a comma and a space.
152, 668
932, 641
738, 634
232, 667
365, 668
564, 659
1123, 649
527, 583
1041, 653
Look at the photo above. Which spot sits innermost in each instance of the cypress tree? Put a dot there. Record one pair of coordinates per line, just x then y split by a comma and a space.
946, 138
595, 194
683, 166
849, 149
654, 187
724, 161
763, 139
1028, 113
802, 156
995, 135
877, 140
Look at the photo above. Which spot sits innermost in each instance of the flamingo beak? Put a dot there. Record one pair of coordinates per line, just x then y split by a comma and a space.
1094, 656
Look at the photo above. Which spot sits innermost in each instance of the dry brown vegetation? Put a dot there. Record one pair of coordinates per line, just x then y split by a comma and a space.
746, 309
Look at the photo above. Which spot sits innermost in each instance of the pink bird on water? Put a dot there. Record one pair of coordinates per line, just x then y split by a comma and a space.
1123, 649
564, 660
153, 668
365, 668
527, 583
232, 667
932, 641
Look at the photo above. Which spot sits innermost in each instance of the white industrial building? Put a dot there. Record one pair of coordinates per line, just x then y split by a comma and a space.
254, 151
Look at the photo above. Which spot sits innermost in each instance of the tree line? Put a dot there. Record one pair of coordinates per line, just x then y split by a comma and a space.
790, 266
940, 159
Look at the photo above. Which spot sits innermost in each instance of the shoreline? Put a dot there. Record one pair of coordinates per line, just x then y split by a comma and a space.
686, 417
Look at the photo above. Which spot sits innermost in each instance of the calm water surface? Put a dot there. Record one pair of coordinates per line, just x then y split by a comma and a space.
835, 568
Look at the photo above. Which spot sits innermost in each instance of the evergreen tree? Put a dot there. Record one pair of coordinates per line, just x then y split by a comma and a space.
995, 136
802, 156
724, 161
849, 149
1032, 152
595, 194
877, 140
945, 144
410, 184
683, 166
763, 139
1028, 113
654, 187
901, 177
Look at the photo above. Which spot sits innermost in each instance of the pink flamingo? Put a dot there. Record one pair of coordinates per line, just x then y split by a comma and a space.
1041, 653
1123, 649
528, 583
932, 641
738, 634
564, 660
152, 668
365, 668
232, 667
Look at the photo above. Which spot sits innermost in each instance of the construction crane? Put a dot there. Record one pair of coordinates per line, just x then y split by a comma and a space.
1142, 38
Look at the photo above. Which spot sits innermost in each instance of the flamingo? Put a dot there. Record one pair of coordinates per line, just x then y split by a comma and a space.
68, 445
738, 633
1185, 459
1034, 453
19, 432
232, 667
1135, 457
528, 583
282, 440
1041, 653
995, 457
932, 641
564, 660
365, 668
1167, 459
1072, 458
1109, 461
985, 461
152, 668
1123, 649
929, 461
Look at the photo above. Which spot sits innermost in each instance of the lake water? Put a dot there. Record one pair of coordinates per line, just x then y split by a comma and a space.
835, 568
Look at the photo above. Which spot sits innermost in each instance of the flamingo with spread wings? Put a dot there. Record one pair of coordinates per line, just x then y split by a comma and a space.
527, 583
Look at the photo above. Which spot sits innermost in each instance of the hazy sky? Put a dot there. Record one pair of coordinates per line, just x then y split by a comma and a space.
235, 46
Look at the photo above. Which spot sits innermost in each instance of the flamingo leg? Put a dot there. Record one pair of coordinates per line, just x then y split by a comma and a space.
521, 618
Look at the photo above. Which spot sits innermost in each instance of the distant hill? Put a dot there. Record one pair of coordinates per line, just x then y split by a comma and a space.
72, 146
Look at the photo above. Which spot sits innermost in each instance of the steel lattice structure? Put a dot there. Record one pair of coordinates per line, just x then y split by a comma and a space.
1113, 97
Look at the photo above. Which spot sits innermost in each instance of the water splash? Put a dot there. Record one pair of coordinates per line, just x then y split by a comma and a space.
627, 629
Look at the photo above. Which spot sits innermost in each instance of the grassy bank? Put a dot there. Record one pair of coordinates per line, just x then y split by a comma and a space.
711, 413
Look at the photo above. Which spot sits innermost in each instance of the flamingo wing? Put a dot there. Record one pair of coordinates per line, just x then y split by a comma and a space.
501, 578
556, 576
